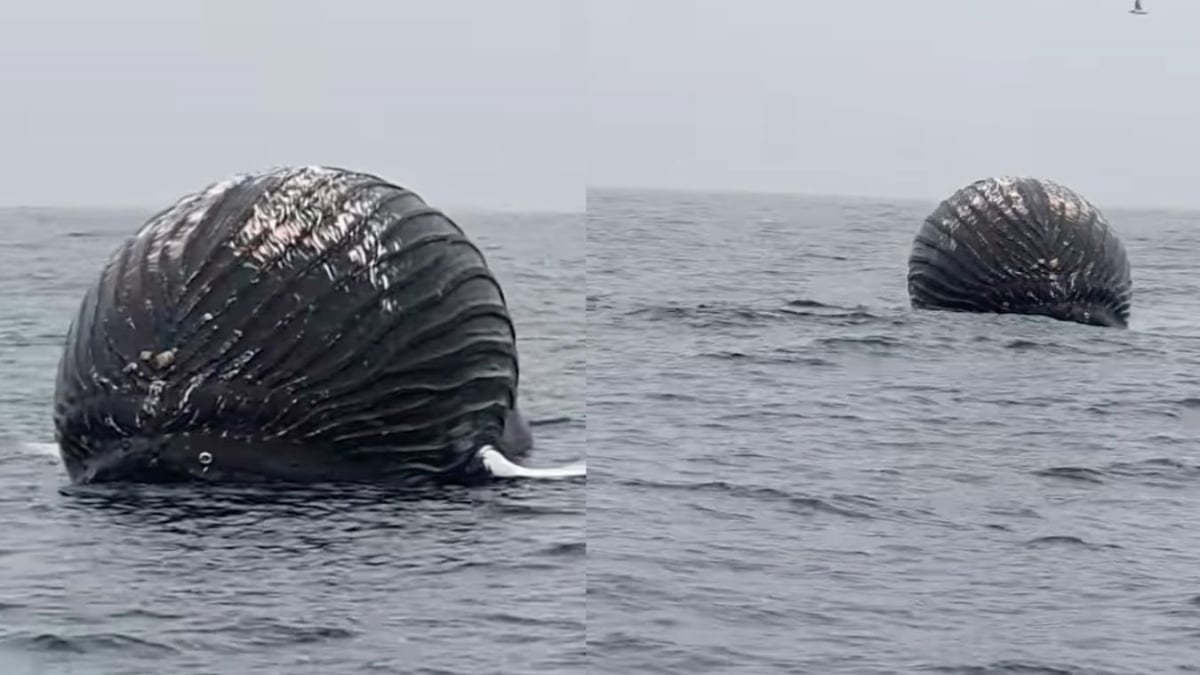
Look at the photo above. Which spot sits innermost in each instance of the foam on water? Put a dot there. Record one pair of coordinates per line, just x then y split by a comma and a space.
37, 448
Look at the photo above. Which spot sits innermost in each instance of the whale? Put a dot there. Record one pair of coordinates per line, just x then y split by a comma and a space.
1021, 245
302, 324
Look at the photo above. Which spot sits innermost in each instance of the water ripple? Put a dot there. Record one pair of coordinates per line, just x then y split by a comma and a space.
798, 473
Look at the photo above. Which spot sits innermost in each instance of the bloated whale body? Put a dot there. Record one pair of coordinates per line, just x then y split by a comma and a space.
1021, 246
305, 324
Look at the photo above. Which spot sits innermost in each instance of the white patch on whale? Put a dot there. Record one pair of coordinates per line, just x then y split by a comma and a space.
196, 206
292, 222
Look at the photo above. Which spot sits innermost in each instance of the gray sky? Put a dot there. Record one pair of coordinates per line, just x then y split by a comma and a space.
472, 103
512, 104
903, 98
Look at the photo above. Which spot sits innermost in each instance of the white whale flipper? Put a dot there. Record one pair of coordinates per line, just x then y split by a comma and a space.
501, 467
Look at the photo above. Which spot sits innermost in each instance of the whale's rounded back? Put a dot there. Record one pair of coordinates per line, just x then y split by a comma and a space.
1021, 246
305, 323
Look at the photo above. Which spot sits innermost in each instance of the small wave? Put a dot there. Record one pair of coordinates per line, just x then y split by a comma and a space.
1018, 668
807, 303
598, 302
819, 310
1076, 473
1105, 346
1163, 468
551, 421
174, 504
672, 396
1025, 345
849, 506
712, 315
17, 338
1065, 540
726, 355
775, 356
136, 613
89, 644
507, 618
873, 343
265, 632
570, 548
705, 316
1014, 512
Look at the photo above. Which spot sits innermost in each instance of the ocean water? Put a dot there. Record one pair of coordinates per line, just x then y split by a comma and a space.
794, 472
191, 581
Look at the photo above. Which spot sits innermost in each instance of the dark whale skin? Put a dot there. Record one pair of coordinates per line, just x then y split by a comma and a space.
1021, 246
307, 324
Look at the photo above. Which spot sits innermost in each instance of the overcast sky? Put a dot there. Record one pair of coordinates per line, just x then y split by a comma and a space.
513, 104
472, 103
905, 98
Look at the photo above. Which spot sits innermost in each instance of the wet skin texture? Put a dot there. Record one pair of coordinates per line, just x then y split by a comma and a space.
1021, 246
303, 325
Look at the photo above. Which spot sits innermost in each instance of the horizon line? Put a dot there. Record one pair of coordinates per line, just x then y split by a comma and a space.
484, 210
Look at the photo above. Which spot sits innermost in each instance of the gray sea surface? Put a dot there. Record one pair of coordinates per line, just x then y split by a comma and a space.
192, 580
794, 472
